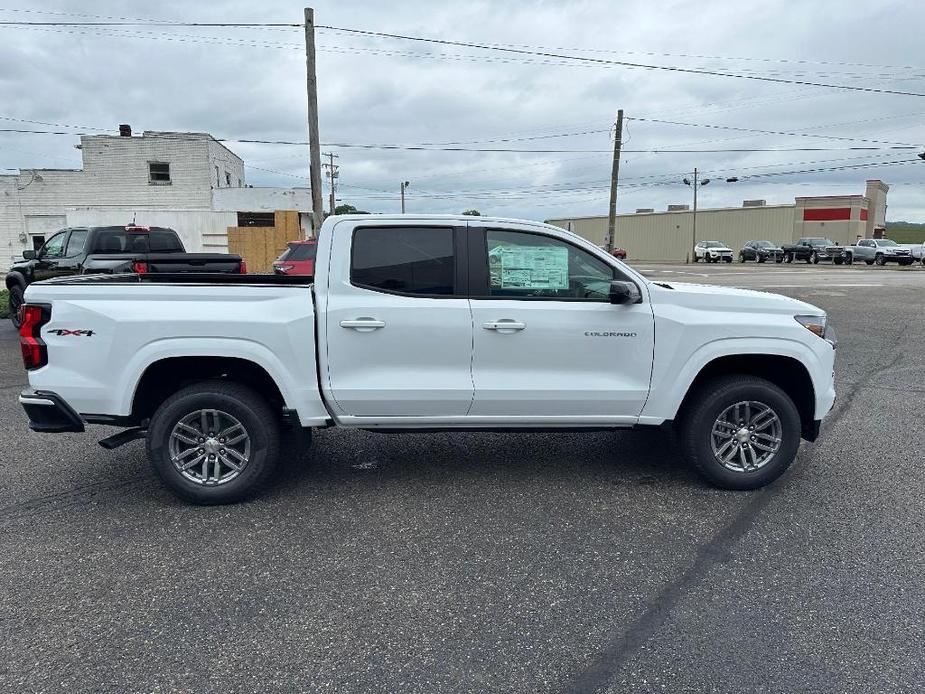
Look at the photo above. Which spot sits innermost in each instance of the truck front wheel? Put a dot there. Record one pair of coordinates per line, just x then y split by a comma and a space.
214, 442
740, 432
16, 300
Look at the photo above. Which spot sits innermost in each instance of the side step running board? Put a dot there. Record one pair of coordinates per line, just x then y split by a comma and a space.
123, 437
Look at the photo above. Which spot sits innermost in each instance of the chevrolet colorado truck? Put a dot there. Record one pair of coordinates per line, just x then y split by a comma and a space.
110, 249
424, 323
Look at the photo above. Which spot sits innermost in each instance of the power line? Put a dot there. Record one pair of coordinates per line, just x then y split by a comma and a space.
602, 61
481, 46
768, 132
420, 148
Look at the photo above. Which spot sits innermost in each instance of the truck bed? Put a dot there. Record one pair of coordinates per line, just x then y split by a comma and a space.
136, 321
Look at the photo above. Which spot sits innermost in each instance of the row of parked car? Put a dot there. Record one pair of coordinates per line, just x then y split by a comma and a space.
815, 249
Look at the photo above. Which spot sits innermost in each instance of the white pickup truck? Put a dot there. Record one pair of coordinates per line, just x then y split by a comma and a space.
424, 323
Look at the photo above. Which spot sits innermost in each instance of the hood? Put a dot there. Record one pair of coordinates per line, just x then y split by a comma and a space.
713, 297
721, 249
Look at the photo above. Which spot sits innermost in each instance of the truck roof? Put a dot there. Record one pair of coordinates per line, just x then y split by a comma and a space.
397, 217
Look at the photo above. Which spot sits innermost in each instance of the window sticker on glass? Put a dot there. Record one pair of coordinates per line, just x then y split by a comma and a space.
529, 267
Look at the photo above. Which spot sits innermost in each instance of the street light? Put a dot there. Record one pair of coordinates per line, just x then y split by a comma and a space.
695, 184
404, 186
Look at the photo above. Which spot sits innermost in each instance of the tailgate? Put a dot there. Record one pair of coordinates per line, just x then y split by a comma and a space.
193, 262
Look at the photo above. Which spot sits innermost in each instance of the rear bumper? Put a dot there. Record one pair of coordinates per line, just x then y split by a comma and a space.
49, 413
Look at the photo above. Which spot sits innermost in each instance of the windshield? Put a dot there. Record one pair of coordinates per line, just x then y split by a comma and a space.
819, 240
713, 244
886, 242
764, 244
136, 240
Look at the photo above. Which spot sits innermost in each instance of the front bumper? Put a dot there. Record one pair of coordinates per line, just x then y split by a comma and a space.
49, 413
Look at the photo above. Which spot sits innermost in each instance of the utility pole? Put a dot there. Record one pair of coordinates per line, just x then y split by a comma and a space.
614, 176
404, 186
314, 147
332, 173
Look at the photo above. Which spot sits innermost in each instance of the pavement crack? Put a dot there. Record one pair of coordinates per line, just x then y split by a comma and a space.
77, 496
624, 644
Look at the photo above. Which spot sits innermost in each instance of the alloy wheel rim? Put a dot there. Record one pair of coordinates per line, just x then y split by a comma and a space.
209, 447
746, 436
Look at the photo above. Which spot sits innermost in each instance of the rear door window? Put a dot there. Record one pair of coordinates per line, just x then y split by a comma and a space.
416, 261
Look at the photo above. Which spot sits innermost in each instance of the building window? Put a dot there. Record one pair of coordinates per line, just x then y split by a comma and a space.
218, 180
256, 219
228, 179
158, 172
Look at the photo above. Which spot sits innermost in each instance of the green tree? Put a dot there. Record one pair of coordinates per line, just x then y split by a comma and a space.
472, 213
345, 209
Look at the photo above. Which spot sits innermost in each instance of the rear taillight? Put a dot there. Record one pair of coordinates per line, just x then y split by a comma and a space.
31, 319
139, 267
243, 266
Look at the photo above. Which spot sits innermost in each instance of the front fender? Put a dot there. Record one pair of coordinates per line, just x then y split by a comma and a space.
672, 378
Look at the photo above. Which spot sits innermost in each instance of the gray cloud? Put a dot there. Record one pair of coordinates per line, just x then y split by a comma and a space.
208, 80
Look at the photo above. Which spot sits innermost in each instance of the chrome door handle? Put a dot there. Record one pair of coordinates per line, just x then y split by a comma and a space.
363, 324
504, 324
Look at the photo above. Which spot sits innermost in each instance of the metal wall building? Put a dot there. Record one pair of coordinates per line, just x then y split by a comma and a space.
667, 236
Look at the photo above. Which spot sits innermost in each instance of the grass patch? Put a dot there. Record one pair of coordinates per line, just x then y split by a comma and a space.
4, 304
910, 234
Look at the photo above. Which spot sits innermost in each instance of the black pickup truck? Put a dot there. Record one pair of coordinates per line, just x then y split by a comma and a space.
111, 249
814, 249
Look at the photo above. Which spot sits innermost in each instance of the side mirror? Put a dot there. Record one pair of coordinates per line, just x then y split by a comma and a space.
622, 292
29, 255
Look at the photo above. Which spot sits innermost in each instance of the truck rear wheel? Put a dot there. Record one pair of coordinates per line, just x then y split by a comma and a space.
740, 432
214, 442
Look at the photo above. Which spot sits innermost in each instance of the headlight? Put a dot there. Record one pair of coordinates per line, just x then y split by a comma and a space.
819, 326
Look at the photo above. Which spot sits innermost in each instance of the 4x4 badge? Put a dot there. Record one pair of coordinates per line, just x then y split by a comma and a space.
61, 332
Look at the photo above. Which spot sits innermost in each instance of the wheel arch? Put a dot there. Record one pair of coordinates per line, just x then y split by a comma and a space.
786, 372
14, 278
163, 377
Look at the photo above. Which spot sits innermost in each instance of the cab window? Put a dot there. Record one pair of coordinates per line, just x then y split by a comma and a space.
535, 266
417, 261
54, 247
76, 242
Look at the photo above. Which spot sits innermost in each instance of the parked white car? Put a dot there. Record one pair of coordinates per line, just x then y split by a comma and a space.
712, 252
424, 323
917, 250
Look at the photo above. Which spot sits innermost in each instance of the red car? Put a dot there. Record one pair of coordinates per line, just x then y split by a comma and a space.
297, 259
619, 253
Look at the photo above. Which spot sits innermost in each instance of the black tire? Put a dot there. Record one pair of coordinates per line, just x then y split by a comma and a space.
741, 257
880, 260
849, 259
789, 257
761, 258
254, 415
16, 300
704, 407
905, 263
813, 258
838, 261
728, 258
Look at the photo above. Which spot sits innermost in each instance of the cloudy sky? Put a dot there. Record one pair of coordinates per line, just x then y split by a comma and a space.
249, 83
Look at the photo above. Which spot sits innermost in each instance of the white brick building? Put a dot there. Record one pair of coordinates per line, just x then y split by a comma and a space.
188, 181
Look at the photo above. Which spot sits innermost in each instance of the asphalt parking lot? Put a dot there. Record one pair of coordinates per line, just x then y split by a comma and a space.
492, 562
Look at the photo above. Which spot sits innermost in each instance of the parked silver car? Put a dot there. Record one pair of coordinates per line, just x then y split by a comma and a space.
879, 251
